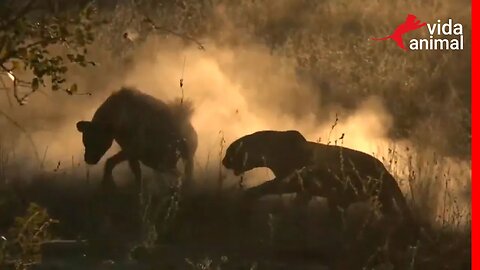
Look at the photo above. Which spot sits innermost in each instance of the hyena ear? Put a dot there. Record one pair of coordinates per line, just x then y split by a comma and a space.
297, 145
82, 126
294, 137
239, 147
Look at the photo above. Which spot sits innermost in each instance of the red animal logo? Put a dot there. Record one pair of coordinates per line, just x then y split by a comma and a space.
410, 24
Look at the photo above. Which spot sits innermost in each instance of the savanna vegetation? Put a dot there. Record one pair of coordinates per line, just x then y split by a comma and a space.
59, 218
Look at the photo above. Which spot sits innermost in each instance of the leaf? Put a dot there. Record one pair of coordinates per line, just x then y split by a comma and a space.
35, 84
73, 89
71, 57
80, 58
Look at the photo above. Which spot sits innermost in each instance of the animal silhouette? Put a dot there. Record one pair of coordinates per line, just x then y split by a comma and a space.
148, 130
410, 24
342, 175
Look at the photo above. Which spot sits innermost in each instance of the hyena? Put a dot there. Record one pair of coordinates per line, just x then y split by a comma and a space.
148, 130
342, 175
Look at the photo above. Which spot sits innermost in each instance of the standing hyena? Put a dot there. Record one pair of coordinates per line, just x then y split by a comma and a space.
147, 130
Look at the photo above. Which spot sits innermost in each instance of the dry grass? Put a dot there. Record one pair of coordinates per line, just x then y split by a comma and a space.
212, 229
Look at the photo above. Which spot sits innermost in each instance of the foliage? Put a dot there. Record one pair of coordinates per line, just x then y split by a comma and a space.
34, 39
21, 246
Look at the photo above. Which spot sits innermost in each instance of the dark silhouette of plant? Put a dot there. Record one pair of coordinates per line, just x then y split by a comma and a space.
21, 247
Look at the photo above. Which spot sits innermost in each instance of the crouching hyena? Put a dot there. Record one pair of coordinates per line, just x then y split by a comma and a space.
147, 130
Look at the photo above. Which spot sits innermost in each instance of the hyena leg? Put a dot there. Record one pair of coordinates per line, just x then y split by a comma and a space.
109, 165
280, 186
308, 187
137, 172
387, 207
336, 210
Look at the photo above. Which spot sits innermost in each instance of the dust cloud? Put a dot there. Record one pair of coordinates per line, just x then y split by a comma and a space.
235, 91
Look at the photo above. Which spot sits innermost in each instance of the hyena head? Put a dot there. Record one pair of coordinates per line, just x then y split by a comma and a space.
241, 157
96, 139
267, 148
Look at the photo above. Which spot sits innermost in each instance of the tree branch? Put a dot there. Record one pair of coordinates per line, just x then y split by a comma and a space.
16, 83
180, 35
